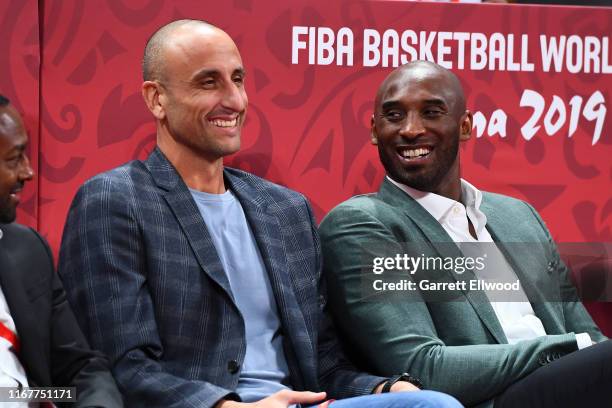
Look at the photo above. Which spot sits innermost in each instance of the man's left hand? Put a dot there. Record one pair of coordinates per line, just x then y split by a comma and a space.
399, 386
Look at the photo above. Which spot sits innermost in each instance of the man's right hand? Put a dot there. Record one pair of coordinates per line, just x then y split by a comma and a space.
281, 399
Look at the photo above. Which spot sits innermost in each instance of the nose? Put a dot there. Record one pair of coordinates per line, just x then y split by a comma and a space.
26, 173
235, 97
413, 126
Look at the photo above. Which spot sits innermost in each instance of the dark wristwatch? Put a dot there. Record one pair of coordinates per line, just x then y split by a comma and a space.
402, 377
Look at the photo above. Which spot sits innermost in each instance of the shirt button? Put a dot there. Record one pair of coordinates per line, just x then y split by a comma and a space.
233, 366
457, 209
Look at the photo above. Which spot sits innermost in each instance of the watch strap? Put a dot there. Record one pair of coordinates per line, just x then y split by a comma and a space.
401, 377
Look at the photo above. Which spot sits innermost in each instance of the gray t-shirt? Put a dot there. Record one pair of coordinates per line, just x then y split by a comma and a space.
265, 366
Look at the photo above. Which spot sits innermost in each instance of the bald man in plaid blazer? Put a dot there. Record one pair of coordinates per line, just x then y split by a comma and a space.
148, 288
156, 275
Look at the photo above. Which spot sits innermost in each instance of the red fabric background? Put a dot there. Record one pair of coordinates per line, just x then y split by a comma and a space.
19, 81
307, 126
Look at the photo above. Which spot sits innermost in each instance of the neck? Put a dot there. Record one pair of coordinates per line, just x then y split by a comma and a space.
197, 171
451, 189
450, 186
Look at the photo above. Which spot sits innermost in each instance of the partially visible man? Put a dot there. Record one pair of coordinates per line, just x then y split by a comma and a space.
41, 344
468, 343
200, 281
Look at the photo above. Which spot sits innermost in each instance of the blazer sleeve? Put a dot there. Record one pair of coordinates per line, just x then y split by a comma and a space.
577, 318
337, 376
102, 264
391, 335
73, 363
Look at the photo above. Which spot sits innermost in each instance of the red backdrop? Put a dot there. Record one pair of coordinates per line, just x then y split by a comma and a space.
307, 126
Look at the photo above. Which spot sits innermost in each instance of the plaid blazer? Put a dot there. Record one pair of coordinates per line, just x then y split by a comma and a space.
148, 288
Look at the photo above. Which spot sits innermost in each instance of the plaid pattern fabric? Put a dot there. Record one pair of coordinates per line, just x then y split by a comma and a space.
149, 290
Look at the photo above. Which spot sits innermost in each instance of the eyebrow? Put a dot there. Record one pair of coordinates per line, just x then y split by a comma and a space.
389, 105
433, 101
208, 72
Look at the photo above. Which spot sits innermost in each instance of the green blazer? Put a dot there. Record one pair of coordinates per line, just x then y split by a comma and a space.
455, 346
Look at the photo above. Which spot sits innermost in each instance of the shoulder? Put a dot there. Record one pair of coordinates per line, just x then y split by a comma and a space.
507, 205
361, 216
120, 184
364, 206
267, 187
115, 192
17, 234
22, 240
14, 230
363, 202
128, 174
501, 199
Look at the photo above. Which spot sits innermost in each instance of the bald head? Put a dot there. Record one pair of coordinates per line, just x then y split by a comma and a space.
194, 87
153, 61
418, 122
10, 120
416, 72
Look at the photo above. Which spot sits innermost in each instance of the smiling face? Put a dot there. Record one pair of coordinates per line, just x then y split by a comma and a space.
15, 167
418, 122
201, 100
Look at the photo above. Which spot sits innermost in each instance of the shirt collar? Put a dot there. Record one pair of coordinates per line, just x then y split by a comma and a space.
439, 206
472, 197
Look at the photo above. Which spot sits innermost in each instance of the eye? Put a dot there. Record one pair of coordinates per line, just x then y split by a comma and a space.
208, 83
14, 160
432, 113
393, 115
238, 79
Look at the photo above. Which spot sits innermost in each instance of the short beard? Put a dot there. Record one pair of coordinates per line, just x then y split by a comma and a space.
8, 213
428, 182
208, 150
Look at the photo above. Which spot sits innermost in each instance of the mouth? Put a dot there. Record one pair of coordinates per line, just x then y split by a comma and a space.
15, 194
414, 154
224, 123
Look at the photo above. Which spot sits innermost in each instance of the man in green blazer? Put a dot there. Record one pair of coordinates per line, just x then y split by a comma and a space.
482, 348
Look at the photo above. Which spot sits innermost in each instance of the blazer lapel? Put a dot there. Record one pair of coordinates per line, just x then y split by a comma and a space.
445, 247
21, 311
521, 262
185, 210
267, 230
13, 290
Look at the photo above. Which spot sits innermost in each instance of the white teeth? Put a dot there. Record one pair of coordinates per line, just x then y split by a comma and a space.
224, 123
412, 153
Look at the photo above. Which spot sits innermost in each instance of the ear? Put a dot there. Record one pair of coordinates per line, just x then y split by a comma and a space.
465, 130
154, 98
373, 136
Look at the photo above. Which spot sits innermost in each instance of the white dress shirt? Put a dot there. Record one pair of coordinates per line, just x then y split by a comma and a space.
517, 318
